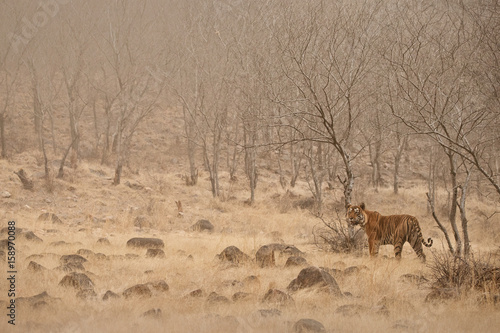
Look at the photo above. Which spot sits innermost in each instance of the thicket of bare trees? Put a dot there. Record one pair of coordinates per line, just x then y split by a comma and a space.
318, 87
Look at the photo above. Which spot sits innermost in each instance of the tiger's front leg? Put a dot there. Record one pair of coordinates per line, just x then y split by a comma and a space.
373, 246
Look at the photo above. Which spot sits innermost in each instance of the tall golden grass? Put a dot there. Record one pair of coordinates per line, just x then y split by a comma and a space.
91, 208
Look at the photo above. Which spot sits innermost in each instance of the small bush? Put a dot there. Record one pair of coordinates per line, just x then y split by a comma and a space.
463, 274
334, 236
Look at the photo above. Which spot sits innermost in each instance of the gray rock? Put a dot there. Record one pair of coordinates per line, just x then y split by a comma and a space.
265, 256
314, 277
79, 281
148, 243
278, 298
203, 225
234, 255
155, 253
138, 291
308, 326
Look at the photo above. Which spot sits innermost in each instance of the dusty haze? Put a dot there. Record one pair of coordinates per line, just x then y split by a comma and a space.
265, 118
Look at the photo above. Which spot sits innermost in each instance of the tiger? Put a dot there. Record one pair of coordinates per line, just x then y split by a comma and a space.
393, 229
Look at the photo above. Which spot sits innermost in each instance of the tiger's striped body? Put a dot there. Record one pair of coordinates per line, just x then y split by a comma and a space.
393, 229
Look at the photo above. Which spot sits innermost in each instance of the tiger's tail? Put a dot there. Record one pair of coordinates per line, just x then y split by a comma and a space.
428, 243
429, 240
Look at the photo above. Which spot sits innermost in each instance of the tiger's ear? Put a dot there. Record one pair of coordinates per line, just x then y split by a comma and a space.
348, 206
362, 206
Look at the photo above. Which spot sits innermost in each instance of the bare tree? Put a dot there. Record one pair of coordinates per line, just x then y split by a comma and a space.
433, 68
326, 55
10, 65
130, 90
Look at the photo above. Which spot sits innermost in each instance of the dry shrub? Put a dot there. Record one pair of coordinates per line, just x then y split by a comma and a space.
290, 201
464, 273
334, 236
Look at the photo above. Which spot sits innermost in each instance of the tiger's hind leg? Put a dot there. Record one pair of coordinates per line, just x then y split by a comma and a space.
398, 247
416, 243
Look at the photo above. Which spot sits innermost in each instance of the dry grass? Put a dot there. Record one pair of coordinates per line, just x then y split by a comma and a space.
91, 208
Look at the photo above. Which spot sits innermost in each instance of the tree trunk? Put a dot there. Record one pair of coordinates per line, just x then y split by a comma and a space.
38, 119
453, 204
2, 135
119, 153
397, 161
463, 215
60, 173
296, 162
118, 172
430, 201
431, 182
192, 162
27, 183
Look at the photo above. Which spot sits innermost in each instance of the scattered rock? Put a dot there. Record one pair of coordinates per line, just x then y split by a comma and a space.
160, 286
441, 294
139, 291
203, 225
197, 293
232, 283
155, 253
110, 295
251, 281
86, 294
103, 241
295, 261
74, 259
131, 256
215, 298
134, 186
70, 267
100, 256
233, 255
85, 253
350, 310
148, 243
286, 249
142, 221
78, 281
278, 298
266, 313
403, 325
5, 194
308, 326
29, 235
59, 243
5, 230
412, 278
36, 301
380, 310
153, 313
315, 277
39, 305
35, 267
240, 296
265, 256
353, 270
49, 217
336, 273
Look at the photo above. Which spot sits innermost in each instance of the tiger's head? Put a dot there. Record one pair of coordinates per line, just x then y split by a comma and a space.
356, 215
